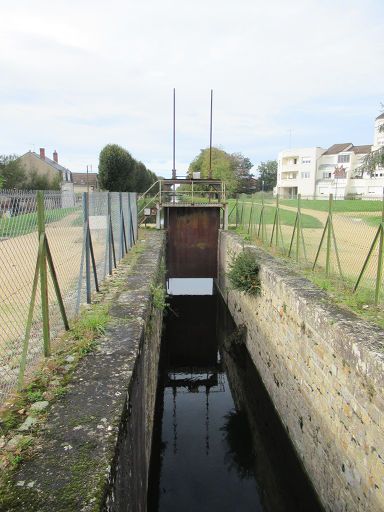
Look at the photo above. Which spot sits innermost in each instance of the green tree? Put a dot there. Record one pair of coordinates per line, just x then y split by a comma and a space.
37, 181
246, 183
144, 178
374, 159
12, 173
223, 167
267, 174
117, 169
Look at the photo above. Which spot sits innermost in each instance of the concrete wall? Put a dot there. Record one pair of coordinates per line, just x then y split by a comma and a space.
324, 370
95, 445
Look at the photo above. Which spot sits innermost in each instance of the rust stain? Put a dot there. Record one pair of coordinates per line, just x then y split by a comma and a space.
192, 241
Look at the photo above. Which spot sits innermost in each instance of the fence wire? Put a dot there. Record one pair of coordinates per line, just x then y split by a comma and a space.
343, 238
65, 227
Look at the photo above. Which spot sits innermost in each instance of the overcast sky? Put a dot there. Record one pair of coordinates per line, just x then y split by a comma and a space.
76, 75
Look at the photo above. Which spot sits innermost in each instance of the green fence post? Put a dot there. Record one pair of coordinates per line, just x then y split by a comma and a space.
329, 236
237, 210
276, 229
250, 217
298, 227
87, 248
29, 320
379, 273
43, 272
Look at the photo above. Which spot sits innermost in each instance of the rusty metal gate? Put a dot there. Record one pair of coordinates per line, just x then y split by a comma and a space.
192, 241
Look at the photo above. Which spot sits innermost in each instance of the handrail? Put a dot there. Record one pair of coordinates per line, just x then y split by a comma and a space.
187, 181
150, 188
145, 206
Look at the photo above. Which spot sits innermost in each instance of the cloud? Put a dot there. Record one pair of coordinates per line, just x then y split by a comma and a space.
78, 75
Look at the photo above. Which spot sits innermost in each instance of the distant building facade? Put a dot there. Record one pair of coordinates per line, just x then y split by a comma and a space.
83, 181
44, 166
319, 172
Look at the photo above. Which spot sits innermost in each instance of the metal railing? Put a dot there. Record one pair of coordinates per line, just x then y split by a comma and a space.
181, 191
55, 249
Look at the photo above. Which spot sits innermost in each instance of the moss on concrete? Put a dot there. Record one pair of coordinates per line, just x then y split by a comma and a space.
65, 464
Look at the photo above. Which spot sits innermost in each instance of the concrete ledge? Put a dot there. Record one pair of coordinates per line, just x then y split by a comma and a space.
324, 370
95, 446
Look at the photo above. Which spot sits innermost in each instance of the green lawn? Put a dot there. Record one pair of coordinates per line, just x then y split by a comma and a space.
346, 205
27, 223
373, 221
287, 217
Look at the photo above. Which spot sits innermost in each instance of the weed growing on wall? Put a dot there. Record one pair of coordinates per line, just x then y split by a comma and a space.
244, 273
159, 297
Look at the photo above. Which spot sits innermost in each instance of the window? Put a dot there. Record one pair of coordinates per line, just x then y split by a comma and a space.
341, 159
305, 160
305, 175
294, 161
327, 175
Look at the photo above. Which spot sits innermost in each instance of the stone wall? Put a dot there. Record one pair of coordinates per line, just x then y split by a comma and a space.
324, 370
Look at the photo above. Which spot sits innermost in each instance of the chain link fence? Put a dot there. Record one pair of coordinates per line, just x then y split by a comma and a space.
71, 242
343, 238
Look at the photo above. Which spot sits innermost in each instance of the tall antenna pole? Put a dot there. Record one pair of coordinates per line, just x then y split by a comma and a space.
210, 140
174, 135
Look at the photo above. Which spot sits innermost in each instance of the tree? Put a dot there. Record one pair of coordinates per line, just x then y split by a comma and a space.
267, 174
374, 159
144, 178
12, 173
116, 169
37, 181
246, 183
223, 167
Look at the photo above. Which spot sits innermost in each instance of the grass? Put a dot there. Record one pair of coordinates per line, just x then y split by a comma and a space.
345, 205
23, 224
373, 221
361, 302
339, 289
287, 217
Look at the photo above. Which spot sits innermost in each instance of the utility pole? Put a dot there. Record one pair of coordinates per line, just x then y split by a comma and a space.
210, 140
174, 135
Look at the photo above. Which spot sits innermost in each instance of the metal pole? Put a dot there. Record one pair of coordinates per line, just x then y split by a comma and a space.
379, 274
109, 235
43, 272
210, 139
329, 236
174, 135
121, 226
298, 226
87, 248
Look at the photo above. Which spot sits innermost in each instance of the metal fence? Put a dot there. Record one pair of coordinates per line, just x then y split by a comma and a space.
55, 249
343, 238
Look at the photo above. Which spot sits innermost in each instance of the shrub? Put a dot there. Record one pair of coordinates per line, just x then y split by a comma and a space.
244, 273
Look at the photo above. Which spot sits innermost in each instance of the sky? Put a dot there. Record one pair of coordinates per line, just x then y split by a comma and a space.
77, 75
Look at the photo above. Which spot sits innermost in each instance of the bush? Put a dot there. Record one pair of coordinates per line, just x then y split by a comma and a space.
244, 273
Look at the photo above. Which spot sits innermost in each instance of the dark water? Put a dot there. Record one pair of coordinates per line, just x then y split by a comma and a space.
218, 445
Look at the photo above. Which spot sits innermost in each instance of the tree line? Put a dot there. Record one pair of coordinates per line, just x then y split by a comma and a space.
120, 172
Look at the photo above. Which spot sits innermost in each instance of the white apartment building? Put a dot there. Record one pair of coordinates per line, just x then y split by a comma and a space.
318, 172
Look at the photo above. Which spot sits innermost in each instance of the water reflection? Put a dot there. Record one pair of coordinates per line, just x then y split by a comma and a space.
210, 452
238, 437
